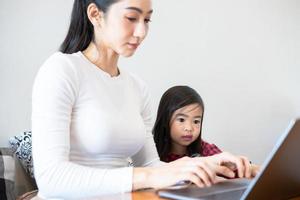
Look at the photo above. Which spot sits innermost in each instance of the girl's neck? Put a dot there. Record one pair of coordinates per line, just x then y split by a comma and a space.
178, 149
104, 58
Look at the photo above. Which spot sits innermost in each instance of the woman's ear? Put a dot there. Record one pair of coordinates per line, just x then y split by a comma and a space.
94, 14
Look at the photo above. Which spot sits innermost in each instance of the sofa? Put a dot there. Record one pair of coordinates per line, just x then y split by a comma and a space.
16, 171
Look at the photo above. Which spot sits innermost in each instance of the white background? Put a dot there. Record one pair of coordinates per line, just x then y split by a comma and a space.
242, 56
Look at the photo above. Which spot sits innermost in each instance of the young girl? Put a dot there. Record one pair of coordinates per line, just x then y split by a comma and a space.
177, 130
178, 127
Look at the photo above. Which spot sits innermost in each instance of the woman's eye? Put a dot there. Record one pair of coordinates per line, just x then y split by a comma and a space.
147, 20
132, 19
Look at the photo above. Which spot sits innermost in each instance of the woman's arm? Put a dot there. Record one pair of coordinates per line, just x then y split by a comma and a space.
147, 156
54, 93
201, 171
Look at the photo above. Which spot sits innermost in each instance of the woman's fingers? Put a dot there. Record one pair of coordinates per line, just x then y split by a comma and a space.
195, 179
247, 166
225, 171
210, 170
243, 167
204, 169
254, 170
204, 176
200, 177
241, 163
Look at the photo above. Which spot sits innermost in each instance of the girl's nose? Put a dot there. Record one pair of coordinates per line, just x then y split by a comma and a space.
188, 127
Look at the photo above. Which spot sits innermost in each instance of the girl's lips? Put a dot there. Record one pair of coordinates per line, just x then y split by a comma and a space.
187, 137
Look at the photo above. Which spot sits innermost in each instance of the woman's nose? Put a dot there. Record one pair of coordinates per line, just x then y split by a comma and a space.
140, 31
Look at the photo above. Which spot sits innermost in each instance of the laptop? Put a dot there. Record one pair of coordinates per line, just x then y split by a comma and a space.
279, 177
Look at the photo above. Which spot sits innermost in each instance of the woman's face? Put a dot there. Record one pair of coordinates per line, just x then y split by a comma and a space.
125, 25
185, 125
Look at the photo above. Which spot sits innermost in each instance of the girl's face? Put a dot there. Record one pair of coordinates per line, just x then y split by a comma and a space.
185, 125
125, 26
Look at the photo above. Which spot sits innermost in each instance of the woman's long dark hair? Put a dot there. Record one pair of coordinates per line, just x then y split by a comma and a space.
173, 99
81, 30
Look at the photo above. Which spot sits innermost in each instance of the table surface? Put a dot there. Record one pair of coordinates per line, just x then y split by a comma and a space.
138, 195
144, 195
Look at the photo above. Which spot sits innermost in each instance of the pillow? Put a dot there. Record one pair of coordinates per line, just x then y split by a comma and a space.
22, 147
7, 174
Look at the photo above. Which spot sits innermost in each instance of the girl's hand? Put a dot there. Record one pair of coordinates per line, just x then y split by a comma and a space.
201, 171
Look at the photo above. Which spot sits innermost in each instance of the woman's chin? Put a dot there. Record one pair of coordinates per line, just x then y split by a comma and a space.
128, 54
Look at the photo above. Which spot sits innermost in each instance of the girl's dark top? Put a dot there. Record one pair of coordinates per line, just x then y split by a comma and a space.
207, 150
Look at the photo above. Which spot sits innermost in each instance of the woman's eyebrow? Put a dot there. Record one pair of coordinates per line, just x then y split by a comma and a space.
138, 10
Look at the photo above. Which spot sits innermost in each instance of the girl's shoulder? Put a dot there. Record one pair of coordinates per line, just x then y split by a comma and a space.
172, 157
209, 149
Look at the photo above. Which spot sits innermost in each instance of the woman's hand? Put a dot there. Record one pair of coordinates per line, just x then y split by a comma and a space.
240, 164
254, 170
201, 171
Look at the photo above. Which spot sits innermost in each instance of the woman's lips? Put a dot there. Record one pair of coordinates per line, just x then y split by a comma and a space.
132, 45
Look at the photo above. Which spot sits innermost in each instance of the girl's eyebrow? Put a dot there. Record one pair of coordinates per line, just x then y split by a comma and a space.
139, 10
184, 115
181, 115
198, 117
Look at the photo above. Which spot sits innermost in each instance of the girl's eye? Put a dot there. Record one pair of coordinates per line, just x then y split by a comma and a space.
180, 119
132, 19
197, 121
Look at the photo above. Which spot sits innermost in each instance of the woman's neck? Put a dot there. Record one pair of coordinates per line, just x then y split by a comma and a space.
178, 149
105, 59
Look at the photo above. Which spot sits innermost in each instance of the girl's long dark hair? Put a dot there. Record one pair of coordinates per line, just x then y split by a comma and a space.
81, 30
173, 99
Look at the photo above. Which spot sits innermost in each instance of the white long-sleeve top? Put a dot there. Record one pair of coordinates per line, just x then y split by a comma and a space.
85, 126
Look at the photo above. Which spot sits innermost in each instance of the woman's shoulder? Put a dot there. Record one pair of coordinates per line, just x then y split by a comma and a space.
61, 60
61, 64
59, 68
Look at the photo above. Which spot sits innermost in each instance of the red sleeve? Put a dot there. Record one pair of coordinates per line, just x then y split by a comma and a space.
209, 149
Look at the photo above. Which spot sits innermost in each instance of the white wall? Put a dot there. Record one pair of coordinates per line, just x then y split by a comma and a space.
243, 56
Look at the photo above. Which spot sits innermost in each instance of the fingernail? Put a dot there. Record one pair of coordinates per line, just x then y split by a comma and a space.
232, 174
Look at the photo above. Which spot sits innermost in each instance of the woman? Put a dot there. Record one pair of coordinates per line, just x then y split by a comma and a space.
89, 116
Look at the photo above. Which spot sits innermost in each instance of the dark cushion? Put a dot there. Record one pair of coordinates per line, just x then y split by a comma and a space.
7, 174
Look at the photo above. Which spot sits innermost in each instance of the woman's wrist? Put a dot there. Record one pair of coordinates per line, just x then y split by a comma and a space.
141, 178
